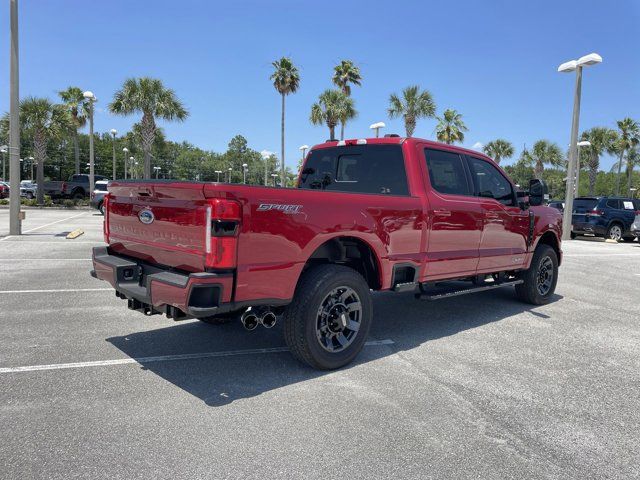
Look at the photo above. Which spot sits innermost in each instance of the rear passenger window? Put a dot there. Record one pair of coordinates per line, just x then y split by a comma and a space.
377, 169
446, 172
613, 204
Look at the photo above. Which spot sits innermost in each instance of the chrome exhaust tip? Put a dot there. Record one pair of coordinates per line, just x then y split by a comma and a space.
268, 319
249, 320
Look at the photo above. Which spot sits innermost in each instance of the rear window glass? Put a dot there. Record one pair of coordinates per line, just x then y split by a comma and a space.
583, 205
377, 169
101, 186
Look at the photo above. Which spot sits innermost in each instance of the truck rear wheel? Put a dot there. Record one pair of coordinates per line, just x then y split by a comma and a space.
541, 278
327, 323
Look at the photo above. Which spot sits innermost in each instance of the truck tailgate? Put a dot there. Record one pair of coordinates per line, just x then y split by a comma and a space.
161, 223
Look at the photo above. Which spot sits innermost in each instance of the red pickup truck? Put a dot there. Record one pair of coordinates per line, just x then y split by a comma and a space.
400, 214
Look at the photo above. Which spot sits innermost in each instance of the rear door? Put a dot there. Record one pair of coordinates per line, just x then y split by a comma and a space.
582, 207
505, 225
454, 216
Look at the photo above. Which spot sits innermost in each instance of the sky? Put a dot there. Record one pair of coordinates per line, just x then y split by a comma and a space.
494, 62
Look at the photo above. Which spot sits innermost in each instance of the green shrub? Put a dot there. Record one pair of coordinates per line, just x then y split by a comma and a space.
4, 201
68, 203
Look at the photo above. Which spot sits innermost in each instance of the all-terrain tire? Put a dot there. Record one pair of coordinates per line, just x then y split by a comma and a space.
302, 315
536, 277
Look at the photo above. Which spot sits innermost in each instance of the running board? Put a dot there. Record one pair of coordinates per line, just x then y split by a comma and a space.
405, 287
438, 295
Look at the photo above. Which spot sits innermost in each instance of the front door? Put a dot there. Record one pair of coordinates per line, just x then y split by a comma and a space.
505, 231
454, 217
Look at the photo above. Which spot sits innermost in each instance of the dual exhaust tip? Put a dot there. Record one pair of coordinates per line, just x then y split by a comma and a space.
261, 316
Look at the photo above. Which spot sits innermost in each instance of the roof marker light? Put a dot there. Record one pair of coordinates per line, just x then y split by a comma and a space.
341, 143
361, 141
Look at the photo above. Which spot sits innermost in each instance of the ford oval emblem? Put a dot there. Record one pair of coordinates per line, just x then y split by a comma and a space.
146, 216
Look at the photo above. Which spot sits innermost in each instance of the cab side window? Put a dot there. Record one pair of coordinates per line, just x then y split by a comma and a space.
490, 183
446, 172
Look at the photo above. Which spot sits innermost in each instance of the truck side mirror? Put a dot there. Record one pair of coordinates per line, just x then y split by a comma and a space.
538, 192
523, 199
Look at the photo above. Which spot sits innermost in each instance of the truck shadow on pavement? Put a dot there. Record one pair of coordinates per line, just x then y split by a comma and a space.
224, 379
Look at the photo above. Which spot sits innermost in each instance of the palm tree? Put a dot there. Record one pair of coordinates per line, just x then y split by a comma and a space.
633, 159
74, 101
498, 149
628, 138
331, 107
286, 80
602, 140
450, 128
151, 98
344, 74
413, 104
543, 153
43, 121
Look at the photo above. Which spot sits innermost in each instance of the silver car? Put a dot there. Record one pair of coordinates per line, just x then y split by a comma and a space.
97, 196
28, 189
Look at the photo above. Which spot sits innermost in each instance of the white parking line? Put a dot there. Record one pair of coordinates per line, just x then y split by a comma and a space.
570, 255
62, 290
46, 225
162, 358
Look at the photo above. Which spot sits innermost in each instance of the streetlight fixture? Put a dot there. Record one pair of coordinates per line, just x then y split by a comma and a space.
157, 169
218, 172
244, 172
133, 162
230, 170
583, 143
567, 67
91, 99
274, 175
125, 150
633, 191
303, 149
114, 132
377, 126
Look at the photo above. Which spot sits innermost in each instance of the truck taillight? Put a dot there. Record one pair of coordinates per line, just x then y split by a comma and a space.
105, 225
222, 228
63, 188
596, 213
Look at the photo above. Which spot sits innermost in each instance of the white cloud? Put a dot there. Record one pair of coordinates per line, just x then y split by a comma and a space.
477, 146
267, 153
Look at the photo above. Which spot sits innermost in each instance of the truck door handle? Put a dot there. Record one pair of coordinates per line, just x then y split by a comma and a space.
491, 216
442, 213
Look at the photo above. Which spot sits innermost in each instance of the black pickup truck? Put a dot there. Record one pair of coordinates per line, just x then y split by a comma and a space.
76, 187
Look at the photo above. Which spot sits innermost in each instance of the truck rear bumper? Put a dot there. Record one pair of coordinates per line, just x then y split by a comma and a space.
152, 289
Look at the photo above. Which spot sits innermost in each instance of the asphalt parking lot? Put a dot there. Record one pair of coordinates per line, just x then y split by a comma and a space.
480, 386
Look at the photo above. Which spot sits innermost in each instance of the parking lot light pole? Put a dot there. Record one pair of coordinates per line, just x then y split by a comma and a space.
230, 170
377, 126
4, 149
132, 163
571, 66
125, 150
157, 169
244, 172
218, 172
91, 99
274, 176
15, 218
633, 192
113, 135
31, 159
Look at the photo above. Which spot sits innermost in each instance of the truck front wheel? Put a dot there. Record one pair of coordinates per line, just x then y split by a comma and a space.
327, 323
541, 278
